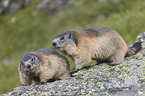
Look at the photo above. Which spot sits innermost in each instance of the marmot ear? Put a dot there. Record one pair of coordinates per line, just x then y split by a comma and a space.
20, 66
69, 36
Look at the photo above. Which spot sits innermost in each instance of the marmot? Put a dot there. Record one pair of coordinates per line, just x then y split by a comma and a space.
98, 43
42, 66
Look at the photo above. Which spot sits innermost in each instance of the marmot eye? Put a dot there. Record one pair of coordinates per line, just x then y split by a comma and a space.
32, 59
62, 38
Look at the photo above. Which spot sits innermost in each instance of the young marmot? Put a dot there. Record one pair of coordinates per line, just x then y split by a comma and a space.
42, 66
101, 44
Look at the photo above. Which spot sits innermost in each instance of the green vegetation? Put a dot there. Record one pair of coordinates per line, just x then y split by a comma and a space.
33, 30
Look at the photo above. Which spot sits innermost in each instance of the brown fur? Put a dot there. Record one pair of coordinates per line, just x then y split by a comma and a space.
99, 47
100, 44
52, 67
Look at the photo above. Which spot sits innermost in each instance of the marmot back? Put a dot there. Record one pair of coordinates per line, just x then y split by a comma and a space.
42, 66
100, 44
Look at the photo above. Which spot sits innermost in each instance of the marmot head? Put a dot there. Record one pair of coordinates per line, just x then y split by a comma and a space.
29, 63
64, 40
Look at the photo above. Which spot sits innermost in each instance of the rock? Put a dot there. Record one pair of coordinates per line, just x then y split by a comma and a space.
127, 78
11, 6
141, 37
53, 6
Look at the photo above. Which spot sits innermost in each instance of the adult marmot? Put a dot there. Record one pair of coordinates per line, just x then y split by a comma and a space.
101, 44
42, 66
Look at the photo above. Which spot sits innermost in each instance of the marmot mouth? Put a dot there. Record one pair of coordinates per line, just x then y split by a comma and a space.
59, 48
29, 70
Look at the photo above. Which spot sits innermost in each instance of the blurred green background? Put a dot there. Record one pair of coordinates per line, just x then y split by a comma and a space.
29, 29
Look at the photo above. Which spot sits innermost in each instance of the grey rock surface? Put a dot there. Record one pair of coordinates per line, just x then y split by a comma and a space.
47, 6
125, 79
11, 6
53, 6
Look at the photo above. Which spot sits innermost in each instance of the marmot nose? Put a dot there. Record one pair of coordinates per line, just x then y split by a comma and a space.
28, 66
54, 44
